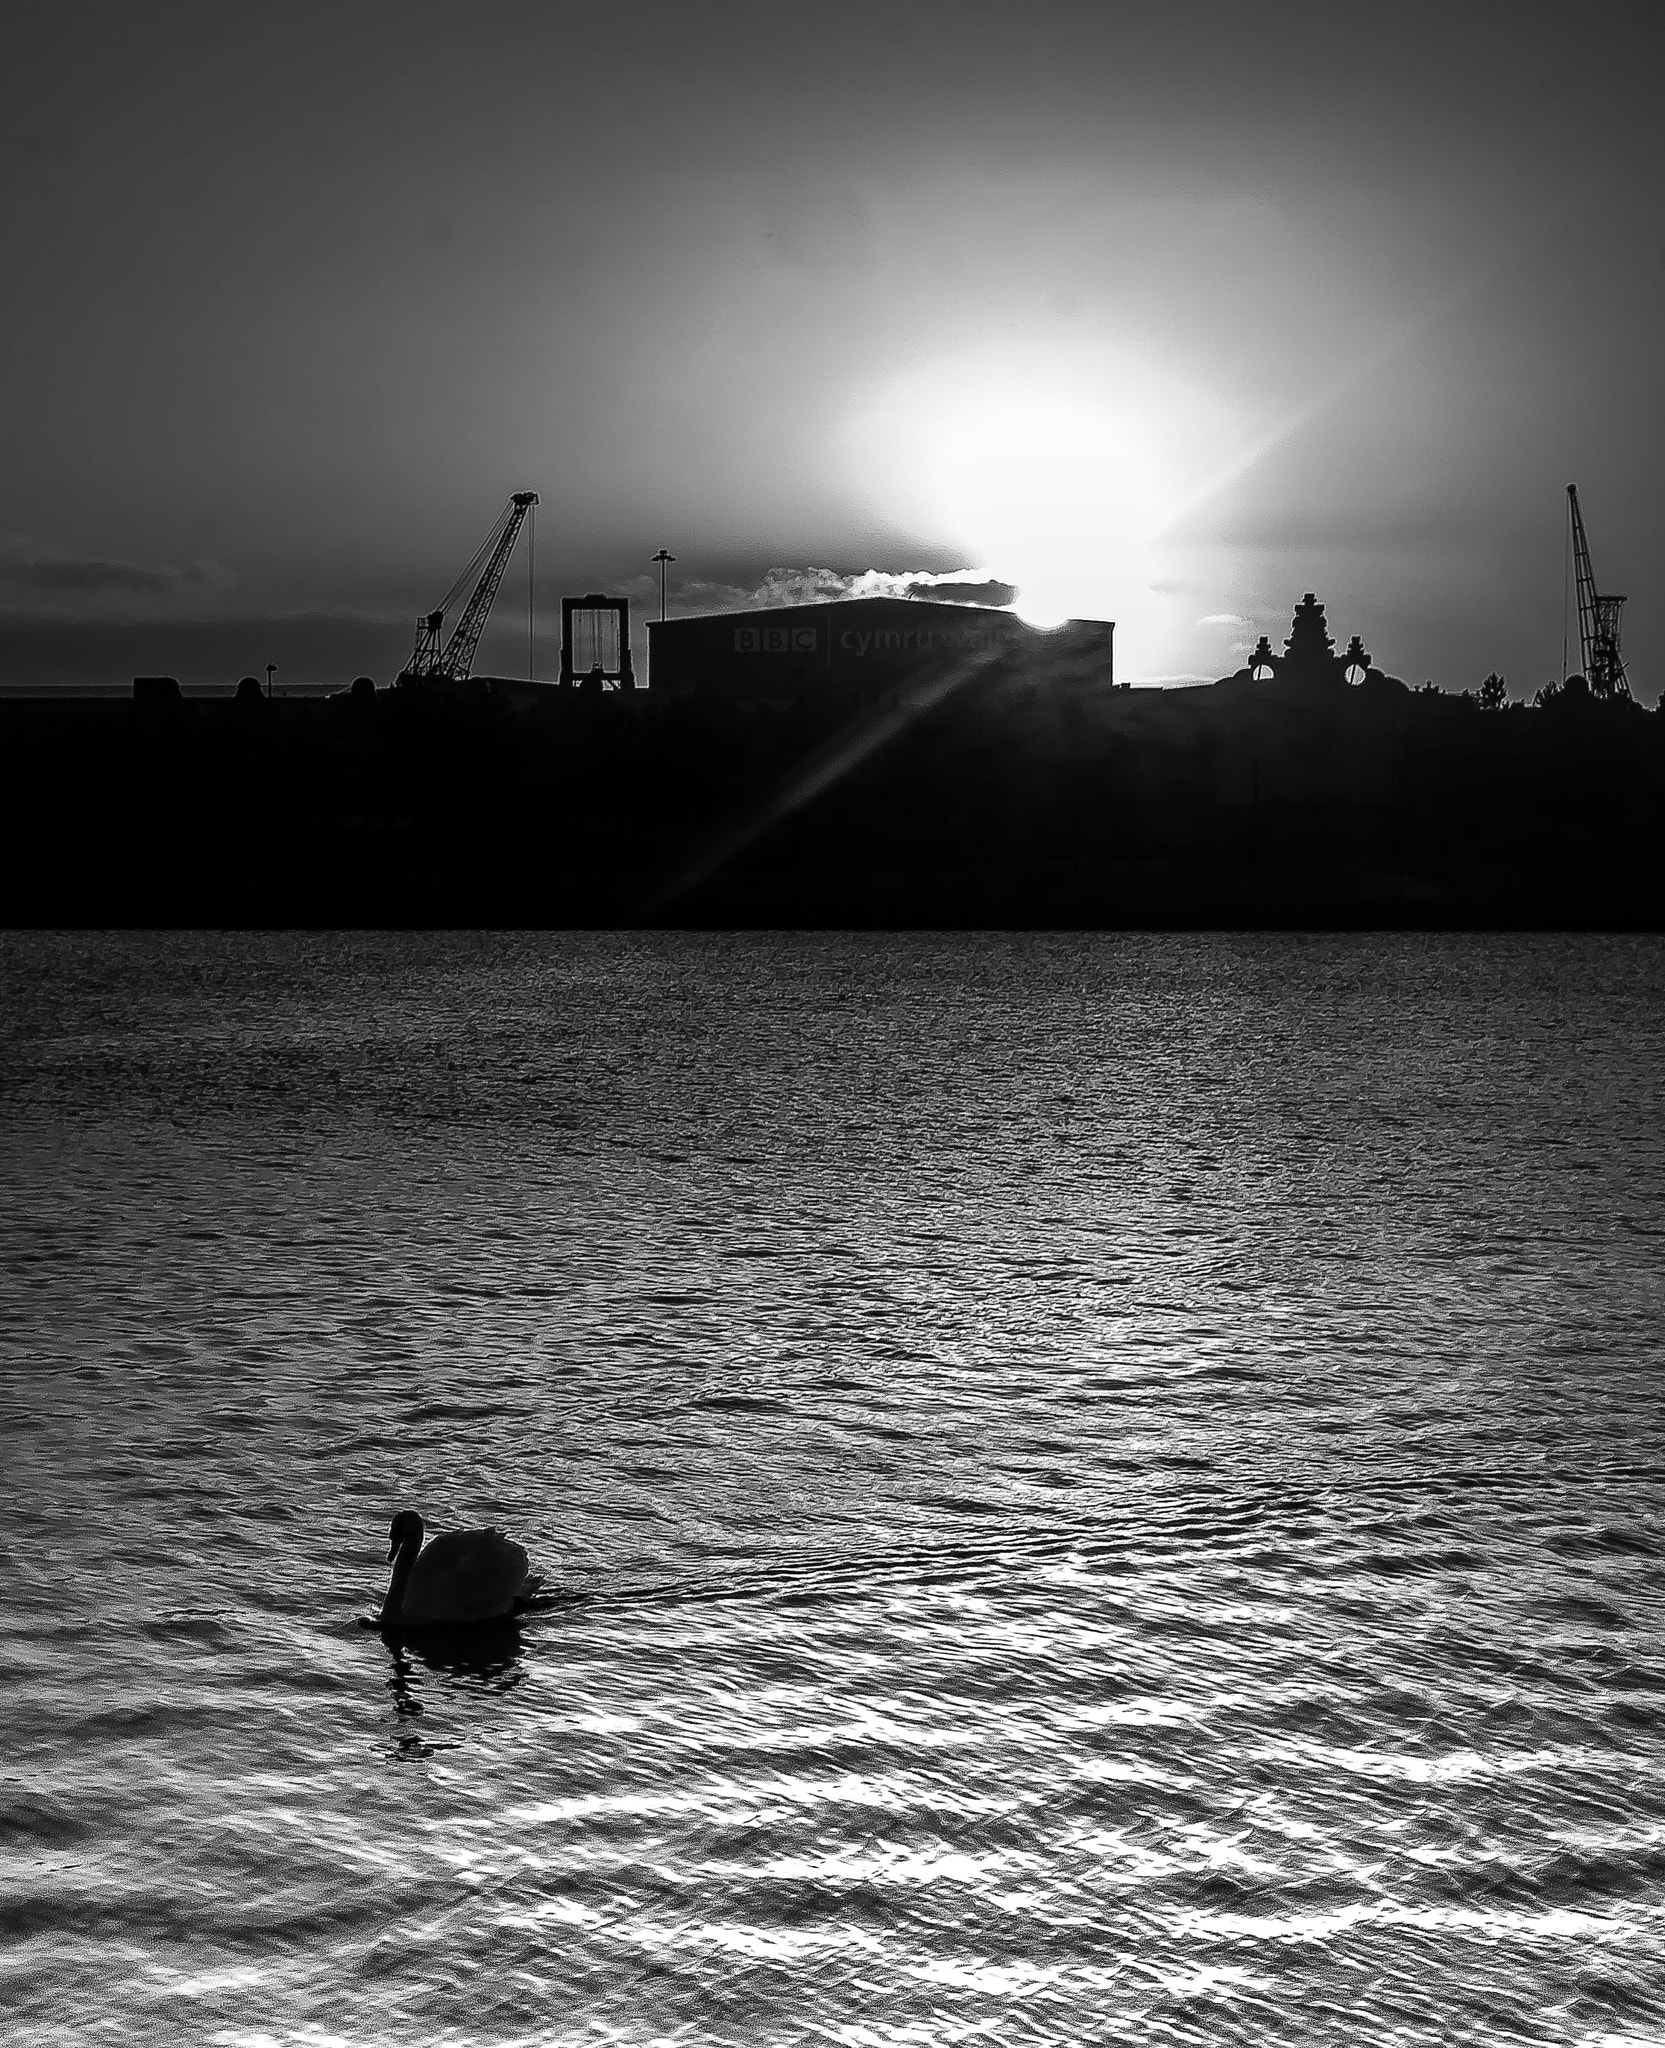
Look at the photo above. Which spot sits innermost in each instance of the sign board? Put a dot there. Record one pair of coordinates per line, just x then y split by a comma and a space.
774, 639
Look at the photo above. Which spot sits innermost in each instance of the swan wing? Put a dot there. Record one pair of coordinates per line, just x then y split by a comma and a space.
467, 1575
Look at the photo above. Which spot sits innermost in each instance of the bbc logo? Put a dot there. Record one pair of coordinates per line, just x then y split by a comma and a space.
774, 639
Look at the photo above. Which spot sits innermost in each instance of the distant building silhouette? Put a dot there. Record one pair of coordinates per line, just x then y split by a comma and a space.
878, 762
861, 648
1309, 659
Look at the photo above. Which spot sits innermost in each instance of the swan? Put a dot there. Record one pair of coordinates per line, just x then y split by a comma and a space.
466, 1575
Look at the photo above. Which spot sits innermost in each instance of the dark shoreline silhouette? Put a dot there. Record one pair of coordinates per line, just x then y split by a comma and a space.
1000, 794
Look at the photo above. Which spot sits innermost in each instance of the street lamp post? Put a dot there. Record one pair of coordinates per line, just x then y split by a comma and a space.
271, 670
662, 558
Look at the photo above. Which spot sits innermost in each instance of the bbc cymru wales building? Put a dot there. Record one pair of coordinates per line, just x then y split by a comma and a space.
864, 647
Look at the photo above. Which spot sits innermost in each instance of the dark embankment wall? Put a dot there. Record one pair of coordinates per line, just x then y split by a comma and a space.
1005, 802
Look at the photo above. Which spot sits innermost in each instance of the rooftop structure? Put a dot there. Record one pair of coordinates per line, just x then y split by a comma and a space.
1309, 658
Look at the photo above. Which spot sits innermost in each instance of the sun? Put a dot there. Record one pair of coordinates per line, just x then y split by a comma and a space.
1061, 499
1048, 476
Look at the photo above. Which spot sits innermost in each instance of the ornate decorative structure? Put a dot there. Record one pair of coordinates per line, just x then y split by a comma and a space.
1309, 652
1355, 663
1309, 658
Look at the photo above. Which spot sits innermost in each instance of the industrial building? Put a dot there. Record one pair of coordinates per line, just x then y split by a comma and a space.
861, 649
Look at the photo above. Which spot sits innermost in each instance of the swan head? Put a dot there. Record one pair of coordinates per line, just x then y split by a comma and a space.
406, 1528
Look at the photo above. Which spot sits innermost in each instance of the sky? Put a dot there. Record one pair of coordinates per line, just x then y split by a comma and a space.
1161, 313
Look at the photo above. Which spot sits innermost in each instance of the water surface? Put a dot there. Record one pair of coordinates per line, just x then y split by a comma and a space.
1092, 1488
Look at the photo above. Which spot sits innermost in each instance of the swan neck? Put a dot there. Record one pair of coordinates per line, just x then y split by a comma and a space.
402, 1564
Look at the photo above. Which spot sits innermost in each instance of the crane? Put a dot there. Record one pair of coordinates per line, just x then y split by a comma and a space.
455, 660
1598, 617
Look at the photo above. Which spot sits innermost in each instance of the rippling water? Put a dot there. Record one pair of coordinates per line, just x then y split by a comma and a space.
1093, 1488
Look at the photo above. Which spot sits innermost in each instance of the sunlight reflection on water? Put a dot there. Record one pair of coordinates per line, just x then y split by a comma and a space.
1094, 1487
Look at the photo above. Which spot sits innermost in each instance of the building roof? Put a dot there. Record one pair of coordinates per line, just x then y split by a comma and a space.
902, 607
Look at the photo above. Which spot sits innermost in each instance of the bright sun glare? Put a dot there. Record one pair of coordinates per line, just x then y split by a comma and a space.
1052, 479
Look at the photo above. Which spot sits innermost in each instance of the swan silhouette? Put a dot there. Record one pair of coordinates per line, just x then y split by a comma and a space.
466, 1575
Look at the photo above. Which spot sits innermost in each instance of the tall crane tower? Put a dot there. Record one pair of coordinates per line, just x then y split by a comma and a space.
455, 661
1598, 616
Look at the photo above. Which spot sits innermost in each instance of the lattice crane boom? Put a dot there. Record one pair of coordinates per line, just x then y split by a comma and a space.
1598, 616
455, 661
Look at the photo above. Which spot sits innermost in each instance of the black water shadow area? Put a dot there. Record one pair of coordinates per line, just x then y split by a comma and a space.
479, 1661
482, 1663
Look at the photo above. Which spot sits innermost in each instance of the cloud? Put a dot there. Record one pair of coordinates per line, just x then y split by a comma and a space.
787, 586
961, 590
1227, 619
52, 572
92, 576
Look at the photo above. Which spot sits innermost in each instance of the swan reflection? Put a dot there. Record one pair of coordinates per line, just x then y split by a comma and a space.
438, 1664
